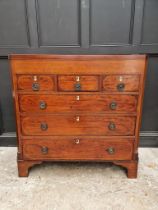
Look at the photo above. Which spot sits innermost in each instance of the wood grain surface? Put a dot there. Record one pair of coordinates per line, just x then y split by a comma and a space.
78, 148
58, 103
78, 125
45, 82
87, 83
130, 82
72, 107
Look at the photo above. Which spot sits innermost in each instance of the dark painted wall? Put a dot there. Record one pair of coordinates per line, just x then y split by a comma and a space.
80, 27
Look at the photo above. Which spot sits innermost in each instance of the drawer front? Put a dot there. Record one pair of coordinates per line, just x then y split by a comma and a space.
35, 82
78, 125
121, 83
78, 83
68, 103
78, 149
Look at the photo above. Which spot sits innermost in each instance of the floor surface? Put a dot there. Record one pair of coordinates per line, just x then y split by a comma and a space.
79, 186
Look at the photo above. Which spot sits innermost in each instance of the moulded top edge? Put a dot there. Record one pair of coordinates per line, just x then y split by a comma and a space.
74, 57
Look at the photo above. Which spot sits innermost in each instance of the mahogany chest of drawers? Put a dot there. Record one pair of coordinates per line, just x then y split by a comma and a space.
78, 108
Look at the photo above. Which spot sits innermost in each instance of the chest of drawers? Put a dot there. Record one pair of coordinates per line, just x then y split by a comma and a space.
78, 108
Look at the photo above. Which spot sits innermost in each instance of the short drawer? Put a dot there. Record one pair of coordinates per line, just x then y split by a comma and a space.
78, 83
78, 149
121, 83
35, 82
53, 103
78, 125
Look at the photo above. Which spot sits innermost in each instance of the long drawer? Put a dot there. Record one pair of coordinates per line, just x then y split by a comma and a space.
78, 125
78, 149
72, 102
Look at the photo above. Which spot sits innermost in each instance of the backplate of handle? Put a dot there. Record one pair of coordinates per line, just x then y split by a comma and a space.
35, 87
121, 87
44, 150
113, 105
77, 86
42, 105
110, 150
44, 126
112, 126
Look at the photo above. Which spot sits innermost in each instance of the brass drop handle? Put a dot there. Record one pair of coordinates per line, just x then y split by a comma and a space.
112, 126
77, 86
110, 150
42, 105
44, 126
120, 87
35, 87
113, 105
44, 150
